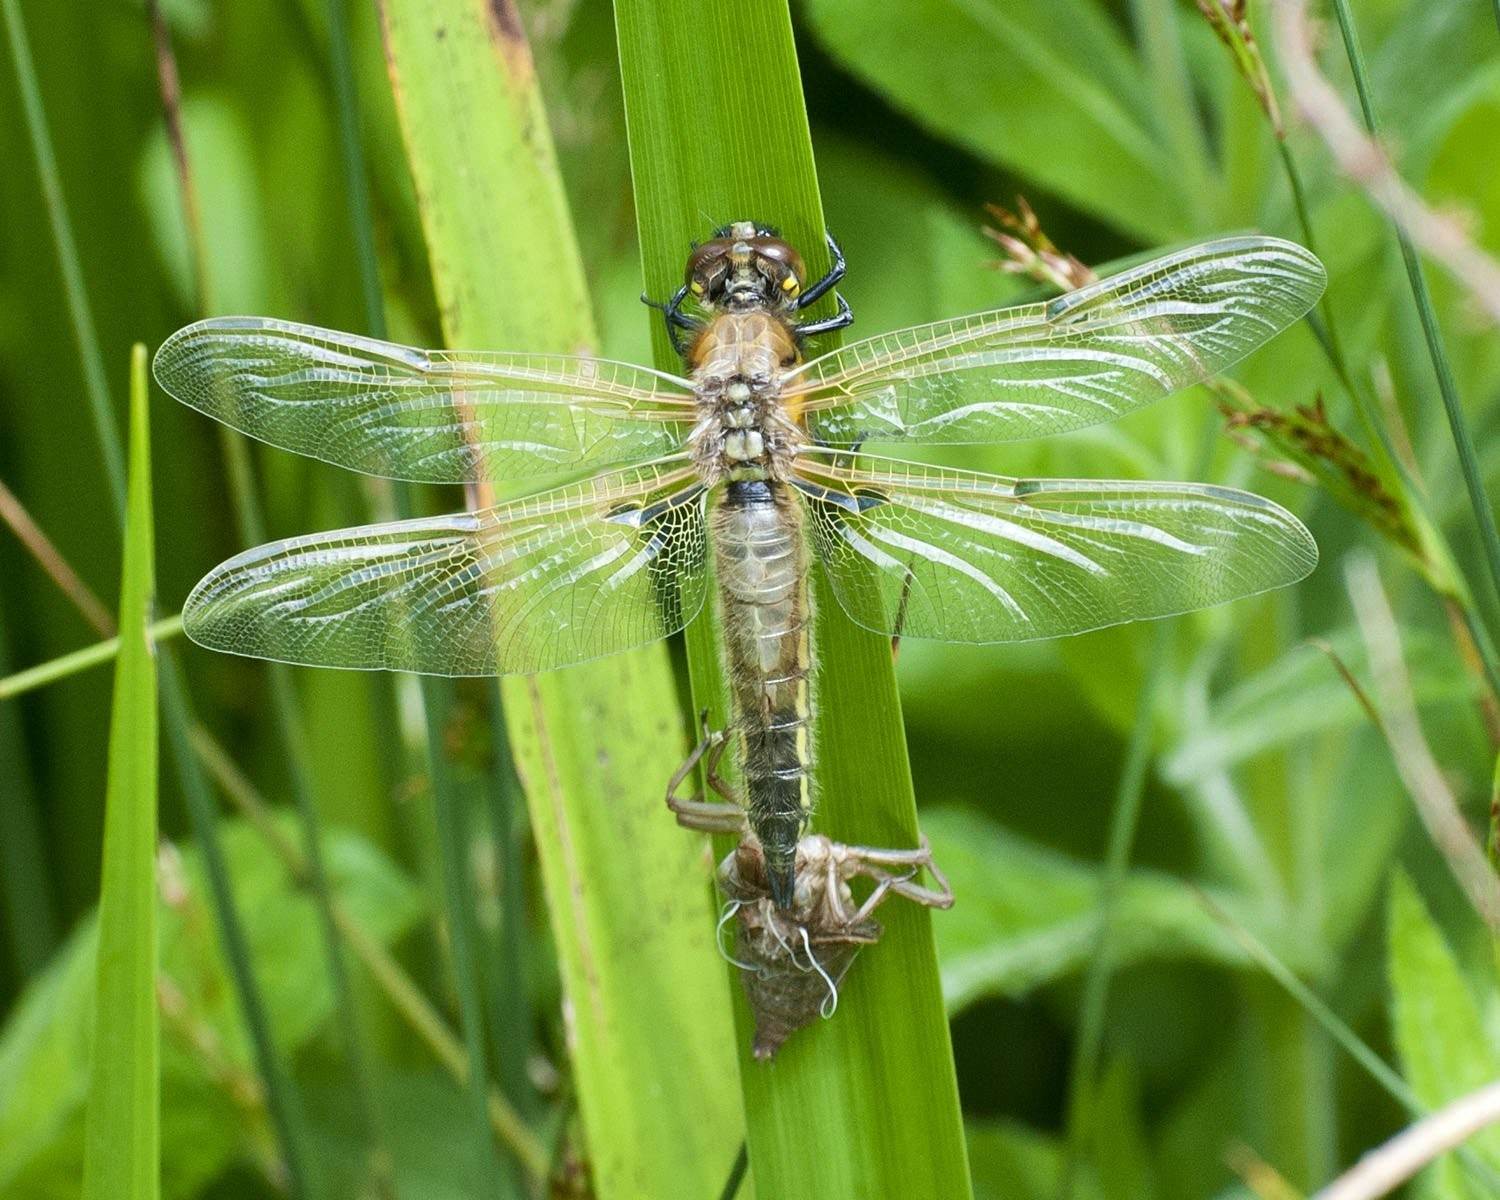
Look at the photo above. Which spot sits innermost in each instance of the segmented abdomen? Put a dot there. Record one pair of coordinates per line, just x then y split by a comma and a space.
762, 560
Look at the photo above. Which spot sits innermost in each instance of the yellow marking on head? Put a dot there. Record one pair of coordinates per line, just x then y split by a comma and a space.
791, 285
697, 288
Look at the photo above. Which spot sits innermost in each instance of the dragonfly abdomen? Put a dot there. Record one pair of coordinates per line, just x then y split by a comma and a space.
762, 560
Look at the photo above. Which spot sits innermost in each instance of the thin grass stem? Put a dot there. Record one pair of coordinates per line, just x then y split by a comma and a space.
79, 660
1336, 1028
1391, 462
451, 813
737, 1172
28, 907
282, 1100
352, 156
509, 1005
13, 513
1484, 515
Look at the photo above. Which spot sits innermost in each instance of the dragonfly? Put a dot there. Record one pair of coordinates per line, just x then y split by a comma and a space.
752, 462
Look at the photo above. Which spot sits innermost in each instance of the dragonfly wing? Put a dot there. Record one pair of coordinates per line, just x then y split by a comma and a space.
965, 557
1086, 357
536, 583
424, 415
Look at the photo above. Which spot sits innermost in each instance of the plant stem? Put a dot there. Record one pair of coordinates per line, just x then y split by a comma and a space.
352, 156
1391, 464
451, 813
1463, 441
27, 903
79, 660
1337, 1029
13, 513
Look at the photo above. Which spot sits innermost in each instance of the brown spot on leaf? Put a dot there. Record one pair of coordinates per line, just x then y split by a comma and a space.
507, 20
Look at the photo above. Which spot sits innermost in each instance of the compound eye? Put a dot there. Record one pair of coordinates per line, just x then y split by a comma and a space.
706, 266
780, 264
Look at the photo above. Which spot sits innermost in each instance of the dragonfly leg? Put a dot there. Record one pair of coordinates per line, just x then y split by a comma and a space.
835, 273
870, 860
840, 320
672, 314
694, 812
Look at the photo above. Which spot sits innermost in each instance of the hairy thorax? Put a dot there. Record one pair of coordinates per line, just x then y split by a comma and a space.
743, 431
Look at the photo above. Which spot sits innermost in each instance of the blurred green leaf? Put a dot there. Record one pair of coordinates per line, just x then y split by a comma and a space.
211, 1105
1026, 916
939, 265
1418, 104
1009, 1161
122, 1158
1047, 88
1116, 1136
224, 174
1445, 1046
1299, 695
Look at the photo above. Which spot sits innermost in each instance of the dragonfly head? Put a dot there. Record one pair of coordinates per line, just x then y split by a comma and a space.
745, 266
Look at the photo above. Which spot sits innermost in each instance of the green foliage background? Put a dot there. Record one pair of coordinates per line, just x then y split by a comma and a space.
1269, 791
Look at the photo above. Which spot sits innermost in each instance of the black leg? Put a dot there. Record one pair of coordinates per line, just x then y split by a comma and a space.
840, 320
835, 273
671, 311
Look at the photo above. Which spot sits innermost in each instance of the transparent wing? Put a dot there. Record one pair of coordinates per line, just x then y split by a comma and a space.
541, 582
964, 557
1086, 357
425, 415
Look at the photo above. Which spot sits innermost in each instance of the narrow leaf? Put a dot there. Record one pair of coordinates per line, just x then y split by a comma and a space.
866, 1103
122, 1156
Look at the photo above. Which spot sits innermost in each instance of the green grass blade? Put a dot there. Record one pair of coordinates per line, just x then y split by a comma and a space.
28, 905
865, 1104
490, 1179
595, 744
101, 407
122, 1152
1458, 425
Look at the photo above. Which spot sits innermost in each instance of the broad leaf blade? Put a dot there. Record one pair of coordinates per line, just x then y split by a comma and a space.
1046, 89
1446, 1051
596, 744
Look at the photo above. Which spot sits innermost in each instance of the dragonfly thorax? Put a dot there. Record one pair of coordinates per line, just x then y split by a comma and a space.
743, 430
